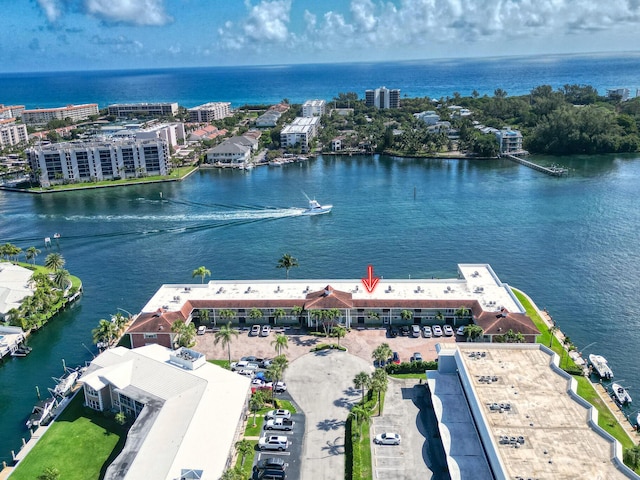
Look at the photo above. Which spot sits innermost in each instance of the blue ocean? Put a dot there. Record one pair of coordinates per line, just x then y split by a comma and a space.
571, 243
269, 84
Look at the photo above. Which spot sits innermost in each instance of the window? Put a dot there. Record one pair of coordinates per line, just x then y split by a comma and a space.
150, 335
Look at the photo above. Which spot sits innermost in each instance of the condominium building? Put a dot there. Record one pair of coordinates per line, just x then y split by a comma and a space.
13, 134
76, 113
143, 109
11, 111
234, 150
623, 93
98, 160
510, 140
169, 132
314, 108
209, 112
300, 131
383, 98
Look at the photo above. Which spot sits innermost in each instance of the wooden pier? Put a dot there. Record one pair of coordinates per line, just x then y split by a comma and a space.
553, 171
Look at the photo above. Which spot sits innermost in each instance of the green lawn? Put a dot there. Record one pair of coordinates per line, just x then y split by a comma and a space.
80, 444
364, 446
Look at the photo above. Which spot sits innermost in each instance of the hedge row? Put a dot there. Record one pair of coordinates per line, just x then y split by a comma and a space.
325, 346
410, 367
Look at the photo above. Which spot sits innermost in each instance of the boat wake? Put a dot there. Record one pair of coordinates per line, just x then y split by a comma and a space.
191, 217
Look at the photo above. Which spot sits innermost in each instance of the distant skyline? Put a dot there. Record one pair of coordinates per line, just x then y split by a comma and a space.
58, 35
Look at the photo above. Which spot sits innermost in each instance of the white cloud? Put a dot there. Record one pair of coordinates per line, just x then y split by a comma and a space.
266, 23
51, 9
135, 12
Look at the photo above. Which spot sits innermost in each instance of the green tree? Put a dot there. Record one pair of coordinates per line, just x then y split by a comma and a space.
31, 253
339, 332
225, 336
280, 342
257, 402
54, 261
186, 333
232, 474
461, 312
203, 316
381, 353
406, 315
278, 314
201, 272
255, 314
226, 314
120, 418
552, 331
362, 380
61, 279
379, 384
473, 331
278, 366
631, 457
49, 473
297, 311
287, 262
361, 413
244, 448
104, 332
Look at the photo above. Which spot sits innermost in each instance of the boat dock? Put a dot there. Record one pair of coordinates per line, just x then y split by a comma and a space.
617, 412
554, 171
10, 340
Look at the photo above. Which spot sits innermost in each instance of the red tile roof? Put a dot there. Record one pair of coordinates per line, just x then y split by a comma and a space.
155, 322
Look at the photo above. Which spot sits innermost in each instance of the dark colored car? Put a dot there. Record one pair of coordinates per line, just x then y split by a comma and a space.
271, 475
392, 332
271, 463
405, 330
395, 358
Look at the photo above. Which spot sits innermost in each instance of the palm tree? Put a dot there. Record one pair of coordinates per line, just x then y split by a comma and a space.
119, 320
201, 272
31, 253
232, 474
379, 384
203, 316
461, 312
277, 368
339, 331
473, 331
226, 314
225, 336
256, 402
255, 314
61, 279
104, 332
552, 331
287, 262
362, 380
278, 314
49, 473
406, 315
382, 353
281, 341
360, 413
439, 316
54, 261
186, 333
244, 448
297, 311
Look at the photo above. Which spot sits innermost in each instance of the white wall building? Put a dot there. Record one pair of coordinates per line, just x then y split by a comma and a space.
430, 117
187, 413
98, 160
143, 109
382, 98
209, 111
169, 132
314, 108
14, 286
234, 150
510, 140
76, 113
11, 111
300, 131
13, 134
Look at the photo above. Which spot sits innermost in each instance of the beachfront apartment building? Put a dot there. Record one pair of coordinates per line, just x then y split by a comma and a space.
169, 132
187, 413
382, 98
75, 113
269, 119
210, 111
11, 111
13, 134
510, 141
74, 162
124, 110
299, 132
314, 108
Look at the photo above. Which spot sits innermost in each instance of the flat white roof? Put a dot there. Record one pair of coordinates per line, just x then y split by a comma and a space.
190, 417
14, 285
476, 282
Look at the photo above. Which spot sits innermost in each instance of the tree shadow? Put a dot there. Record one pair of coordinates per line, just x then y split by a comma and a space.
306, 342
335, 447
352, 392
322, 353
330, 424
344, 402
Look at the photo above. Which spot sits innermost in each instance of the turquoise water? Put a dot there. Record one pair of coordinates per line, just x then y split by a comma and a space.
571, 243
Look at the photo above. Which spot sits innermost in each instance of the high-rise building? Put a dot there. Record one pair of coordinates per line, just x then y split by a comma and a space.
13, 134
11, 111
209, 112
314, 108
382, 98
73, 162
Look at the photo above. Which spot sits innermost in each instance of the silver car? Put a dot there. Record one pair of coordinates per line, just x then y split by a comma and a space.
273, 442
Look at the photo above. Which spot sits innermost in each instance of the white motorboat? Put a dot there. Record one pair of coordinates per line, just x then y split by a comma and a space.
620, 394
41, 413
316, 209
599, 364
65, 384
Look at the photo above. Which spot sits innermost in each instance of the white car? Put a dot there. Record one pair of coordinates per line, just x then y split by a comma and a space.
246, 373
448, 331
243, 365
460, 330
387, 438
437, 331
273, 442
202, 330
255, 330
415, 330
280, 387
279, 424
280, 413
265, 330
426, 331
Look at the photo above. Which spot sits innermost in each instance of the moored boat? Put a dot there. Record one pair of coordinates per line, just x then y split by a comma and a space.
21, 351
600, 366
620, 394
66, 383
41, 413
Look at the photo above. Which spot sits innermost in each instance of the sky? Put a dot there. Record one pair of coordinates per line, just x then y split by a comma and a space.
58, 35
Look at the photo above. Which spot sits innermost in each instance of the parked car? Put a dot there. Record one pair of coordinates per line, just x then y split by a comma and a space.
252, 359
273, 442
460, 330
392, 332
265, 330
426, 331
270, 474
279, 424
280, 387
243, 365
415, 330
246, 373
387, 438
280, 413
395, 358
437, 331
404, 330
202, 330
271, 463
255, 330
265, 363
417, 357
448, 331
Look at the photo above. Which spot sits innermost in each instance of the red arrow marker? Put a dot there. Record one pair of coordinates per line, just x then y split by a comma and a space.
370, 282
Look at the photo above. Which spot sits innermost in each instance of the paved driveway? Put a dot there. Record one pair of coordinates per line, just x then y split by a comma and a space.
321, 384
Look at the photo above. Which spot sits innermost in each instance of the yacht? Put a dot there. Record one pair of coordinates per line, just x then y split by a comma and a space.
316, 209
620, 394
41, 413
600, 366
66, 383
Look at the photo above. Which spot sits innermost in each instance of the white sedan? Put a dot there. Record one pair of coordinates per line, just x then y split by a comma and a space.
387, 438
437, 331
448, 331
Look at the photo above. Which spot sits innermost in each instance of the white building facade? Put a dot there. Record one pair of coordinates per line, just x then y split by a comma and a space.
301, 131
143, 109
13, 134
383, 97
314, 108
76, 113
510, 141
94, 161
209, 112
